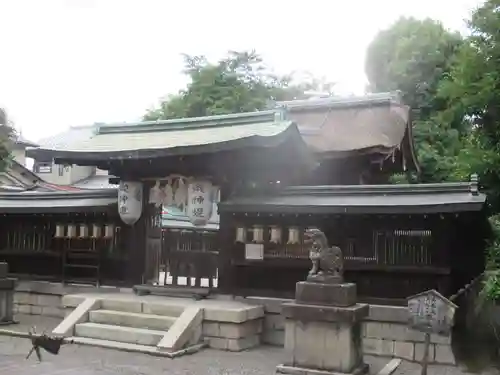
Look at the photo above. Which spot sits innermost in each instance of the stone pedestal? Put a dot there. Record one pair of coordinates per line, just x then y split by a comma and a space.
323, 330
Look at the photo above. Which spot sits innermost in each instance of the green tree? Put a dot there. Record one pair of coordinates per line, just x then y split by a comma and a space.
472, 91
6, 135
413, 56
240, 82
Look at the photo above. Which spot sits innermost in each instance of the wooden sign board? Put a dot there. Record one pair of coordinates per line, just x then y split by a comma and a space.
431, 312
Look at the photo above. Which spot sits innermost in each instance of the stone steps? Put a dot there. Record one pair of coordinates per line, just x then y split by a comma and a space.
171, 326
139, 336
133, 320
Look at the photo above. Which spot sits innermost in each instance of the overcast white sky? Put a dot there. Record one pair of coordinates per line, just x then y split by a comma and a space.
76, 62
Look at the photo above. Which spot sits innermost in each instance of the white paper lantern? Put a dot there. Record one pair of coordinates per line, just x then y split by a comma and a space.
71, 231
59, 231
293, 235
275, 234
109, 230
96, 231
241, 235
84, 231
130, 201
258, 233
199, 201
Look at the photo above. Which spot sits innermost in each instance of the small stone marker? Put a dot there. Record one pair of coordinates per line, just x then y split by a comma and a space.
430, 312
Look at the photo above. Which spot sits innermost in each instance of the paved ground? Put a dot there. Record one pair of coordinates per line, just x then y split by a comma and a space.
84, 360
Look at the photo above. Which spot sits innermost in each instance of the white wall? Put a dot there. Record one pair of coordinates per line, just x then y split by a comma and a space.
65, 175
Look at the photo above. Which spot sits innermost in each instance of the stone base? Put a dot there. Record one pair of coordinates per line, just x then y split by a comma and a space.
325, 345
320, 313
325, 279
316, 293
283, 369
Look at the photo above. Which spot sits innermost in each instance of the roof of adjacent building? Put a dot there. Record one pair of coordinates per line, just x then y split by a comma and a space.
39, 199
57, 201
363, 199
61, 141
96, 181
23, 142
19, 178
69, 136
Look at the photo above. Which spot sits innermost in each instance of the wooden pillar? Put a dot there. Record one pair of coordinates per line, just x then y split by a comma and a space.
442, 230
225, 269
135, 245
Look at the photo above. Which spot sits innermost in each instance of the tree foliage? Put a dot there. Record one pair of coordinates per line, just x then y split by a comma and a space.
240, 82
473, 92
413, 56
6, 135
454, 88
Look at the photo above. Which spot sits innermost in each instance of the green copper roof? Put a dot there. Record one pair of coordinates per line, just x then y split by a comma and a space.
182, 136
182, 133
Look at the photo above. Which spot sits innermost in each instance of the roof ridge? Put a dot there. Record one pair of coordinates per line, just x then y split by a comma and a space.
187, 123
392, 97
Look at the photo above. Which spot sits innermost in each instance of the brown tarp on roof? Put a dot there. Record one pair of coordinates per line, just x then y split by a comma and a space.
338, 126
349, 129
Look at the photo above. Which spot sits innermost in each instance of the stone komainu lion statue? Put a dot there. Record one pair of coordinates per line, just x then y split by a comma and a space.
326, 260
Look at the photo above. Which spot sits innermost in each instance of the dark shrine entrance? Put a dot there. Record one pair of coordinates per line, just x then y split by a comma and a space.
179, 256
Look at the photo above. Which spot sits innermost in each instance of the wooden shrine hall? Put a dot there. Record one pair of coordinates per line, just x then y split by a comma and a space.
397, 240
322, 163
69, 236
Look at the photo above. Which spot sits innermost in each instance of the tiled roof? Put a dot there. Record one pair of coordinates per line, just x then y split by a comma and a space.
363, 199
72, 135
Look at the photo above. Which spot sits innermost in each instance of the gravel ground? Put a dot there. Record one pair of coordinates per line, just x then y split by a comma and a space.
407, 368
84, 360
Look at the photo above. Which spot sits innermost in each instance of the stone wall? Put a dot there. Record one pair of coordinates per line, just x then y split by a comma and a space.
233, 329
45, 298
273, 332
385, 333
232, 336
